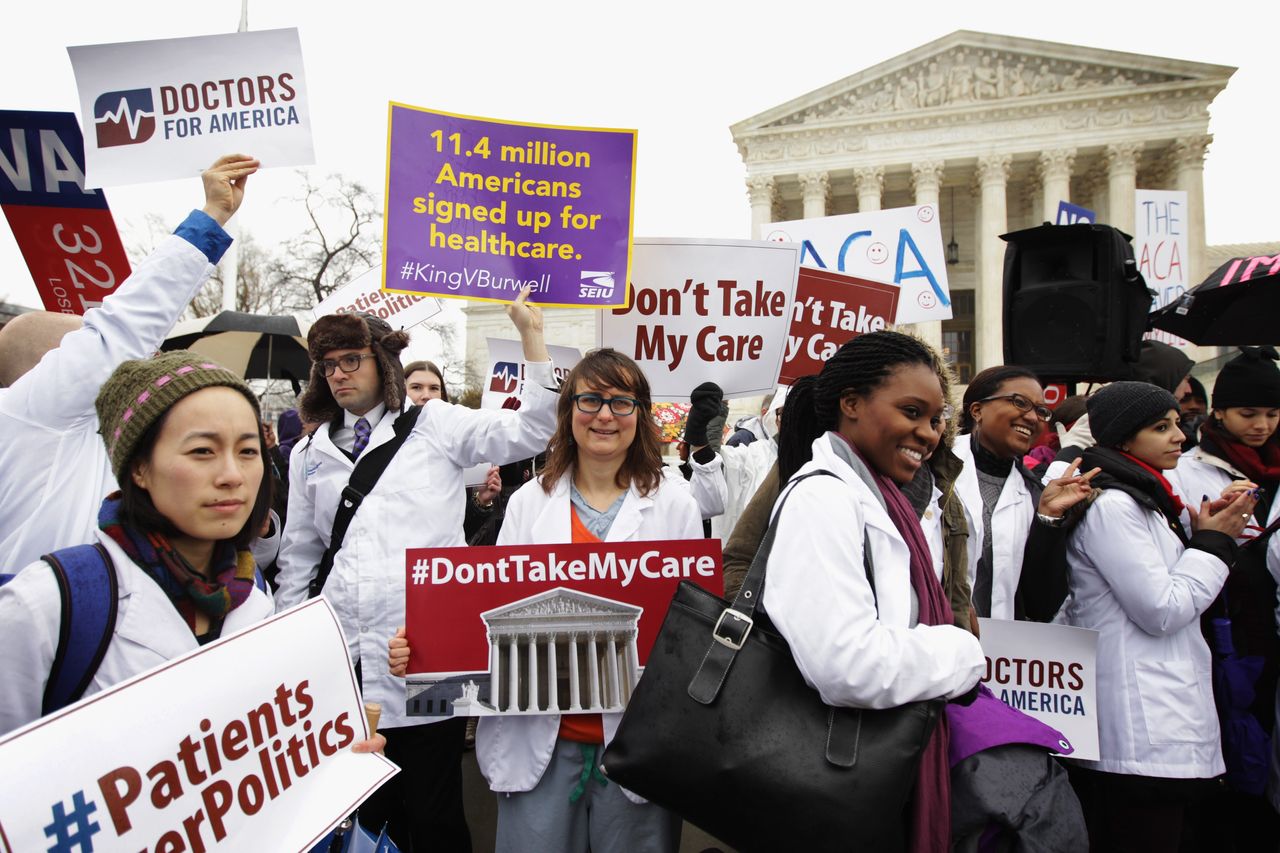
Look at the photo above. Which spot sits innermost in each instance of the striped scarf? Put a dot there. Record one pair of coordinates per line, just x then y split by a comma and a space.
233, 570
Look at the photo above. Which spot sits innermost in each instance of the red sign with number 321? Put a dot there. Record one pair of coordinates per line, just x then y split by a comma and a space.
65, 232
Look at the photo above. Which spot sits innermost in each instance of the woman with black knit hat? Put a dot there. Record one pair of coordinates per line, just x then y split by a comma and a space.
1142, 583
1239, 450
184, 441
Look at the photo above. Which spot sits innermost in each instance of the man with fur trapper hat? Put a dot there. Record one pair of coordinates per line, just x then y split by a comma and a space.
356, 392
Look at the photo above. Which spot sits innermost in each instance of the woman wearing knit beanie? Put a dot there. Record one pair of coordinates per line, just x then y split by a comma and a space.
1239, 450
1142, 583
185, 445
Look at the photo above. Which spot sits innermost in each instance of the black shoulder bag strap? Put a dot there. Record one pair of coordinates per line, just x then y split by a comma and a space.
735, 623
361, 482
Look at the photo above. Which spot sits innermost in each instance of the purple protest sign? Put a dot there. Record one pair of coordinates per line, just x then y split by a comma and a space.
478, 208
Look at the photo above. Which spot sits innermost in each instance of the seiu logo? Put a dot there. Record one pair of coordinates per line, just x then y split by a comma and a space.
124, 118
595, 285
505, 376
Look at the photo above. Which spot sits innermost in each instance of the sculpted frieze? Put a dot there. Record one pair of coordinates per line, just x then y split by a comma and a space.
966, 75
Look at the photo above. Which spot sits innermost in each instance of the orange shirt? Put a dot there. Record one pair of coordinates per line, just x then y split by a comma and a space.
581, 728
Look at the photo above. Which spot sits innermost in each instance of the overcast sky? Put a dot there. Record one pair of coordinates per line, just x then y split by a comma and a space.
681, 73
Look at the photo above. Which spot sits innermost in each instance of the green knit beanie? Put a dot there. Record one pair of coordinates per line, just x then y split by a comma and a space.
139, 392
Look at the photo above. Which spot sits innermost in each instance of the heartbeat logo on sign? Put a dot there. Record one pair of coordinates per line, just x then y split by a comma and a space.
506, 375
124, 118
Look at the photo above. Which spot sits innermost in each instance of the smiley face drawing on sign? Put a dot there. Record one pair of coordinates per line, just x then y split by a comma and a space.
877, 253
778, 237
925, 213
927, 300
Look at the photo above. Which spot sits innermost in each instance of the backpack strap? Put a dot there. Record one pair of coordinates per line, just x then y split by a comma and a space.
361, 482
89, 591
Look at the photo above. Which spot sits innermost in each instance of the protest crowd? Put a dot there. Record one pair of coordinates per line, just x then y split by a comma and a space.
871, 525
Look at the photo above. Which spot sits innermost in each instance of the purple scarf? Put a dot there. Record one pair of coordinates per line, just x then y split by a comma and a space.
931, 805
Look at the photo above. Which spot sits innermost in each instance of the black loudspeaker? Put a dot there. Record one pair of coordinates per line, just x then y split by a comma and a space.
1075, 305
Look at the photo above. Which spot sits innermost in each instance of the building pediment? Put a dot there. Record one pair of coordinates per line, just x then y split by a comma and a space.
559, 602
970, 70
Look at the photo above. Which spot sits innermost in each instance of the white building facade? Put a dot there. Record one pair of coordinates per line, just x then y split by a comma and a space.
995, 131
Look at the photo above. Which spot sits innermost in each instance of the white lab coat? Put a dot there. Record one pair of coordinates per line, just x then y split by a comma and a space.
1133, 583
745, 468
1011, 521
55, 467
513, 752
1201, 474
417, 503
853, 652
148, 631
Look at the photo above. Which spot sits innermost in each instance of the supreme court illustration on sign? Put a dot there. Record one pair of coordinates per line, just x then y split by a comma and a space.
541, 629
479, 208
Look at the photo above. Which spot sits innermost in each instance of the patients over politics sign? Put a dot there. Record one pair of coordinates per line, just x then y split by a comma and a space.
365, 295
902, 246
705, 308
214, 750
479, 208
64, 230
156, 110
538, 629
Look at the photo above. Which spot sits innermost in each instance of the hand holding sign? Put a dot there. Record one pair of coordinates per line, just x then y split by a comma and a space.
224, 185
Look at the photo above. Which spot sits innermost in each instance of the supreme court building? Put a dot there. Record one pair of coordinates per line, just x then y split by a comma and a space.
995, 131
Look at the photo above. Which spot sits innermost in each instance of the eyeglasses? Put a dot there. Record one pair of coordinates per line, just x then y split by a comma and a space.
1022, 404
349, 363
589, 404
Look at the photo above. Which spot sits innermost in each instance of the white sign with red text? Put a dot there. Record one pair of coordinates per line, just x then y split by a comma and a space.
365, 295
1049, 672
705, 309
243, 744
901, 246
157, 110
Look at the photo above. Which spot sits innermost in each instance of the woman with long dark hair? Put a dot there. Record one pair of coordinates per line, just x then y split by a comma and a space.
873, 417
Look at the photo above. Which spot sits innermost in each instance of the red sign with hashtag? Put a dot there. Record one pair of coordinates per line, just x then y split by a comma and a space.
587, 612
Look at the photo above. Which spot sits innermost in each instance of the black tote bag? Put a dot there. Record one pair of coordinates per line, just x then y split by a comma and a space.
723, 730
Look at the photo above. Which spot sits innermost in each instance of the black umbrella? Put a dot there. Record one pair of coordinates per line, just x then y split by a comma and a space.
257, 346
1238, 305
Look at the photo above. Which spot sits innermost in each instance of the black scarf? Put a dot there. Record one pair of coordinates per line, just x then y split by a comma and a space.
1123, 474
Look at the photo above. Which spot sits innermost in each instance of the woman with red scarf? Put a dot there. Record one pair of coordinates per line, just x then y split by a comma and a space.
1142, 583
1239, 451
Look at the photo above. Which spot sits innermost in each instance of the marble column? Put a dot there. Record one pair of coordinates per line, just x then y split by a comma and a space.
1187, 155
593, 672
814, 189
533, 672
869, 182
495, 671
632, 656
760, 190
611, 671
1055, 180
513, 675
1122, 180
553, 676
993, 176
575, 690
926, 180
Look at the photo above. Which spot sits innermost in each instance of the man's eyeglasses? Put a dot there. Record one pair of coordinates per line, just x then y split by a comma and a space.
1022, 404
349, 363
589, 404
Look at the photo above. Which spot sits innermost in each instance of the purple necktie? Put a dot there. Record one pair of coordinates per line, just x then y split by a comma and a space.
362, 430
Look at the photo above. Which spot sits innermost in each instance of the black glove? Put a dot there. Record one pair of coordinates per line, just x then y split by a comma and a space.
705, 400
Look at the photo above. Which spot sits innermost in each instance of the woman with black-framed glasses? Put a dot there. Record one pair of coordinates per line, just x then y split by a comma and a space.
1012, 517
